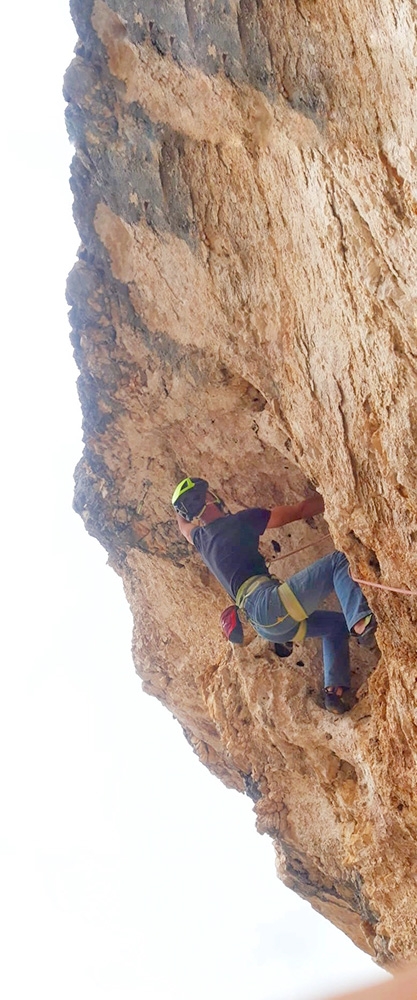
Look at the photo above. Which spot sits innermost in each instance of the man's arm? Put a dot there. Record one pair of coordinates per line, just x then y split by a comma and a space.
185, 528
296, 511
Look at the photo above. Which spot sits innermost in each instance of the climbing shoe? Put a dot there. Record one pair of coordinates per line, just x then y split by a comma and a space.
367, 637
333, 703
283, 648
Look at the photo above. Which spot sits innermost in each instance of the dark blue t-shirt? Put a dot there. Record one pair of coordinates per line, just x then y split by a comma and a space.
229, 547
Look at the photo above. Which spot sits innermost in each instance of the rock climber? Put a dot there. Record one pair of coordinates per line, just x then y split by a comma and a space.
281, 612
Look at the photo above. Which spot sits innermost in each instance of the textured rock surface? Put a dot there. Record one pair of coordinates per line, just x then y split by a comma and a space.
243, 308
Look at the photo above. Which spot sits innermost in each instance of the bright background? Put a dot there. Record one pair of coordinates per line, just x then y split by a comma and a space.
127, 870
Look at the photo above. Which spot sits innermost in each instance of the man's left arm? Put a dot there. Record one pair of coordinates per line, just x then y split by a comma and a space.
287, 513
185, 528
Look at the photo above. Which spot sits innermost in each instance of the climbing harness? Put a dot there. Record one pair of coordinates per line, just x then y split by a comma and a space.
291, 604
248, 587
230, 618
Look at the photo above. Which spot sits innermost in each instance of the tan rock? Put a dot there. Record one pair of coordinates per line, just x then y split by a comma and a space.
244, 308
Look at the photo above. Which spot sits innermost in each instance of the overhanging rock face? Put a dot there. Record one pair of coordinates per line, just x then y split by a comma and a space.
243, 308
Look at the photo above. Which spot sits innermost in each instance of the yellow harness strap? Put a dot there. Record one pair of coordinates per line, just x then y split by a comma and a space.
295, 609
291, 603
248, 588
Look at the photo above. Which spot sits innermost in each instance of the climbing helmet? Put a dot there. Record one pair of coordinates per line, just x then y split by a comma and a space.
189, 497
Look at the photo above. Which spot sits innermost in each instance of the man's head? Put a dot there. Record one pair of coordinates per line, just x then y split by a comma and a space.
192, 496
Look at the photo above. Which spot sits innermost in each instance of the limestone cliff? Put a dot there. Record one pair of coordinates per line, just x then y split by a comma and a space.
243, 308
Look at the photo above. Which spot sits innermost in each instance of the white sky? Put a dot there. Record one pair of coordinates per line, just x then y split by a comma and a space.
127, 871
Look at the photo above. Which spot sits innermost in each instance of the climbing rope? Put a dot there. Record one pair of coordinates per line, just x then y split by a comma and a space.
308, 546
357, 579
383, 586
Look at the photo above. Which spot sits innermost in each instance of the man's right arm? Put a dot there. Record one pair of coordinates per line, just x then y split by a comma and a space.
286, 514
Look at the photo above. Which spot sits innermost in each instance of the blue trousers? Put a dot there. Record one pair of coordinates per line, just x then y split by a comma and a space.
311, 586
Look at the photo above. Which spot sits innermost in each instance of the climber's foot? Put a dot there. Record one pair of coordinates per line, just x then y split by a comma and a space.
283, 648
333, 700
365, 629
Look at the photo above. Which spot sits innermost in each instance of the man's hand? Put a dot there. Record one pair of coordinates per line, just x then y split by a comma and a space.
186, 527
286, 514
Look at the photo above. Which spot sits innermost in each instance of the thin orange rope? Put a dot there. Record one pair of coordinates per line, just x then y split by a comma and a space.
286, 555
382, 586
357, 579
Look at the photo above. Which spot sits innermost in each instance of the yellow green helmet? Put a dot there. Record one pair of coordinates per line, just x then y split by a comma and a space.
189, 497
